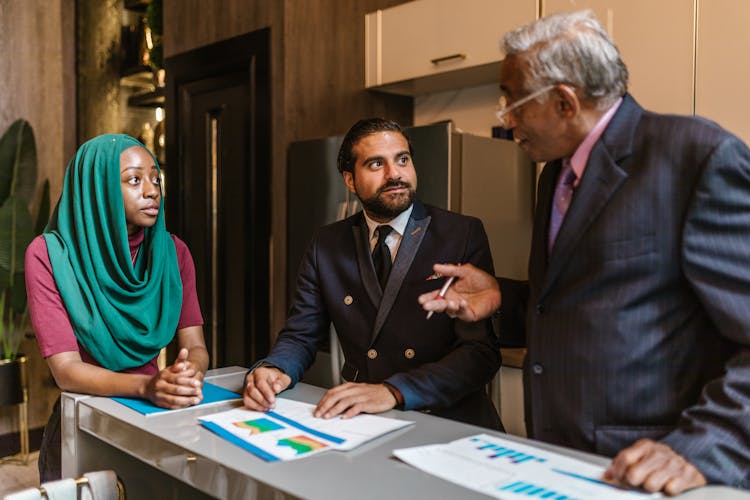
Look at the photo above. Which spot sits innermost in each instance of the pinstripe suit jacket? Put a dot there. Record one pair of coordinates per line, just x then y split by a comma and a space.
638, 322
440, 365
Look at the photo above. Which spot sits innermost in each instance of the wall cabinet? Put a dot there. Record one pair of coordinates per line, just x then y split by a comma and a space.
434, 45
656, 41
681, 60
723, 43
684, 56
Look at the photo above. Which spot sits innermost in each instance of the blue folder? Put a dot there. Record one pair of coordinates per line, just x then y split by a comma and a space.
211, 394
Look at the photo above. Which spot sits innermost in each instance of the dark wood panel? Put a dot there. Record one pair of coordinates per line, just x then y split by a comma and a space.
325, 69
218, 150
189, 24
317, 81
37, 43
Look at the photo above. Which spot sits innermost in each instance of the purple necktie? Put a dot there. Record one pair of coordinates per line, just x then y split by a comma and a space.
561, 202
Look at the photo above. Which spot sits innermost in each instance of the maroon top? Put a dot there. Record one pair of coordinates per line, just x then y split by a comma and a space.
52, 327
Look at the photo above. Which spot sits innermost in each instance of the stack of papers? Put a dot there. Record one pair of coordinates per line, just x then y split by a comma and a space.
291, 431
502, 468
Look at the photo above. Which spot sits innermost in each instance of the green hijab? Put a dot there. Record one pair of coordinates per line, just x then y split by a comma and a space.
122, 312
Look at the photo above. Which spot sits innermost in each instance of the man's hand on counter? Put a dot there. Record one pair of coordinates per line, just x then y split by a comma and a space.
351, 399
262, 386
654, 466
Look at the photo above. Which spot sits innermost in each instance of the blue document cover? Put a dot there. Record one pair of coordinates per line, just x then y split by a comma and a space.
211, 394
292, 431
269, 425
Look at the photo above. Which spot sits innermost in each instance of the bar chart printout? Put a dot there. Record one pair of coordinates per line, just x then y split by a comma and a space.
291, 431
502, 468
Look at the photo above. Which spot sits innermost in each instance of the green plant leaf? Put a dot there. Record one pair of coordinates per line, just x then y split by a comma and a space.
16, 232
18, 300
18, 169
12, 328
18, 173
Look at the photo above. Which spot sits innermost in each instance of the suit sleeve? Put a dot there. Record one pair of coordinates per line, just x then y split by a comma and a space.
474, 359
307, 324
714, 434
511, 317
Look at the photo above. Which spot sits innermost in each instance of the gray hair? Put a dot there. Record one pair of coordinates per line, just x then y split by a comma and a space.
570, 48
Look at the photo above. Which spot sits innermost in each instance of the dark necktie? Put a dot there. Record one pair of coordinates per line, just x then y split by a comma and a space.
561, 201
381, 255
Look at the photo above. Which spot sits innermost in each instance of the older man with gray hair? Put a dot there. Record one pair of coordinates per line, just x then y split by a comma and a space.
636, 312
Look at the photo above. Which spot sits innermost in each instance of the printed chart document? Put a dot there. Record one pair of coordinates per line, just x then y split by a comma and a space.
291, 431
506, 469
211, 394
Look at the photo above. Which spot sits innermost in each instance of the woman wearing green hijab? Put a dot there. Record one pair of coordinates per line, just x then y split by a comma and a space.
108, 287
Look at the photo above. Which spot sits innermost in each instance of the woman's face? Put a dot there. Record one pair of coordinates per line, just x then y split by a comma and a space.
141, 193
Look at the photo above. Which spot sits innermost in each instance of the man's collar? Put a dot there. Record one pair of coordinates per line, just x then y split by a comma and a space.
398, 223
580, 157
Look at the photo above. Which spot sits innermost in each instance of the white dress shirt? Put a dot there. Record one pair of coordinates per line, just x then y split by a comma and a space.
393, 240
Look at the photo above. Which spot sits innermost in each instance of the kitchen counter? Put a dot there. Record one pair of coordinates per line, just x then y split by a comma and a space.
172, 456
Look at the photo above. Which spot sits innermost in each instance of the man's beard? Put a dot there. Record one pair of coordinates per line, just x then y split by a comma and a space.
386, 206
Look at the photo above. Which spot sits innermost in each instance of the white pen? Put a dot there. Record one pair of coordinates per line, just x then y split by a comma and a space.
442, 292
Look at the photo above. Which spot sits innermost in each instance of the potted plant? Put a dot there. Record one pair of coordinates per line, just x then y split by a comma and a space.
18, 174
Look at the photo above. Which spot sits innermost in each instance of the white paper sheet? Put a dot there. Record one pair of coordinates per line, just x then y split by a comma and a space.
503, 468
291, 431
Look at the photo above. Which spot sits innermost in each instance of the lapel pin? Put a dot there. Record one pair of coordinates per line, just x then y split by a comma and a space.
416, 231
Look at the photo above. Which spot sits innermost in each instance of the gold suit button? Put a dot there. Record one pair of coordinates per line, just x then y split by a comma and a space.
409, 353
348, 300
372, 354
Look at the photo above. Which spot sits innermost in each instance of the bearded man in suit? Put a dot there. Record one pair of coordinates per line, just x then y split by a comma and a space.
364, 274
635, 314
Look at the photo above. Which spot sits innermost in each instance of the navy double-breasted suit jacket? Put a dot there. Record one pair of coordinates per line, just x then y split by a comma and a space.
638, 321
441, 365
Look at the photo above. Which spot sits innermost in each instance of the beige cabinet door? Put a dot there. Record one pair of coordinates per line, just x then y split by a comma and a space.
427, 37
723, 64
656, 40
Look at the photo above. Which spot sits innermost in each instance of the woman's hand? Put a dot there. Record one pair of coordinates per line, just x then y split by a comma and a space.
176, 386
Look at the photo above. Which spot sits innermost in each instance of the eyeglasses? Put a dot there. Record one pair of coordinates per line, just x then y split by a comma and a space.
503, 108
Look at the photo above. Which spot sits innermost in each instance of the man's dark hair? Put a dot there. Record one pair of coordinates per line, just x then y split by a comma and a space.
363, 128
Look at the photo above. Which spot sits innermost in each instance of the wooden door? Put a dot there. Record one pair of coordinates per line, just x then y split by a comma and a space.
218, 188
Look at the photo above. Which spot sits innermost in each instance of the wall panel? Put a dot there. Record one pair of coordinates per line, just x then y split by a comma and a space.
37, 83
317, 81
